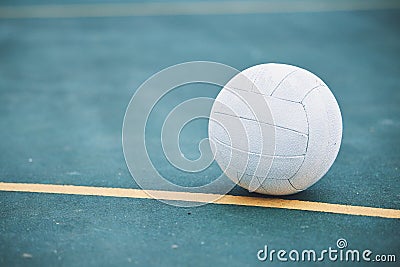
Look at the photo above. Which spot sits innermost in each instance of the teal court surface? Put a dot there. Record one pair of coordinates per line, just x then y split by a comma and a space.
67, 72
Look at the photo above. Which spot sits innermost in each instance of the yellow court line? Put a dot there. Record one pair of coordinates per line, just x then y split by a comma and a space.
202, 198
189, 8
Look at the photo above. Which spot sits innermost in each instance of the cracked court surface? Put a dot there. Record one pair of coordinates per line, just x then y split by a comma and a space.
65, 83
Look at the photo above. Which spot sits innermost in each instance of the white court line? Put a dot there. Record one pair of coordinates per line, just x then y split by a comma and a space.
189, 8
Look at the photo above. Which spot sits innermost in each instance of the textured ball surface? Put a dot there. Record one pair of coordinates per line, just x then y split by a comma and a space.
275, 129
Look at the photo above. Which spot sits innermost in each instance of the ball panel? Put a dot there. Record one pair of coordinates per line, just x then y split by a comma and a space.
216, 130
257, 137
272, 187
334, 121
236, 163
319, 156
223, 155
297, 85
267, 76
289, 143
242, 134
248, 134
283, 168
280, 109
230, 102
261, 108
243, 104
270, 167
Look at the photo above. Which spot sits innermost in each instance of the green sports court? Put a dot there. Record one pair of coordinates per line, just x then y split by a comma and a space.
68, 70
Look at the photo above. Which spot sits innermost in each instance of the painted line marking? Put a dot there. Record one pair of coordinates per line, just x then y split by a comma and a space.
188, 8
203, 198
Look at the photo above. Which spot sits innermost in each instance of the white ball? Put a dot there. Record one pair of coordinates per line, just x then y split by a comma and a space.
275, 129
